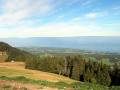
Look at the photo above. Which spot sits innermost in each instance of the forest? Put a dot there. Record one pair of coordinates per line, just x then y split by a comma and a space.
77, 68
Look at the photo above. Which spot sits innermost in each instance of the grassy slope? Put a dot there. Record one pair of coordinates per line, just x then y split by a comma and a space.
15, 72
10, 69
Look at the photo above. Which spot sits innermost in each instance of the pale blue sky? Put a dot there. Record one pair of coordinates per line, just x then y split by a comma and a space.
59, 18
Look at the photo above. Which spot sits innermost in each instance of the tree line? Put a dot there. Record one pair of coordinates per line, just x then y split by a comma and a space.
77, 68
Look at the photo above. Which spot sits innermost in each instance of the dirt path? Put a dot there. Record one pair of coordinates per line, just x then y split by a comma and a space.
20, 86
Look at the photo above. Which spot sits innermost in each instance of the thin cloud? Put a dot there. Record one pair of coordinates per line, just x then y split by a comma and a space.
76, 19
115, 24
58, 29
16, 11
95, 15
91, 15
87, 2
116, 8
61, 16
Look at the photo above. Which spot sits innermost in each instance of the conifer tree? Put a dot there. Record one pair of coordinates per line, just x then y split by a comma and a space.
75, 72
81, 65
87, 75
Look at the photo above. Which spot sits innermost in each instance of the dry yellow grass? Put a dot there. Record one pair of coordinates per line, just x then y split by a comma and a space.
12, 69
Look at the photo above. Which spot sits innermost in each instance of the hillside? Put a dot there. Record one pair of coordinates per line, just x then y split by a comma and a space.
18, 69
13, 76
12, 54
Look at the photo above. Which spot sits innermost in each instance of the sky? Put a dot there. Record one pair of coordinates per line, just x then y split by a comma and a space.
59, 18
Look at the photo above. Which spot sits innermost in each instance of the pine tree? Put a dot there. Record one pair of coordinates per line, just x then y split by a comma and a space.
115, 66
67, 73
87, 75
106, 80
81, 65
103, 76
115, 75
99, 75
75, 72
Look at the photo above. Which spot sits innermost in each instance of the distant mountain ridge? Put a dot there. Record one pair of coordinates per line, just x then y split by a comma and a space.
93, 43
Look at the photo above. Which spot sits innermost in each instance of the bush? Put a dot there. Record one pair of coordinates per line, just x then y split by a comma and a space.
93, 80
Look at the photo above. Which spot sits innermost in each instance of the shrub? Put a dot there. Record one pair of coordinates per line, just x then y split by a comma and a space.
93, 80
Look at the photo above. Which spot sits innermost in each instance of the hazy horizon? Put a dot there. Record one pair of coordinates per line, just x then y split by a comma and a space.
93, 43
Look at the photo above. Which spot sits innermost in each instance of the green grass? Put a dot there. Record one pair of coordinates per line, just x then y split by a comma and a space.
115, 88
6, 86
41, 87
60, 84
